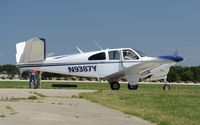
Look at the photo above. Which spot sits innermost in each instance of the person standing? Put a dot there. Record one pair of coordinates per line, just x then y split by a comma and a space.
38, 79
32, 79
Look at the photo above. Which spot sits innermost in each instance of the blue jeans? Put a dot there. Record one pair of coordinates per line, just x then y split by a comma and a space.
32, 79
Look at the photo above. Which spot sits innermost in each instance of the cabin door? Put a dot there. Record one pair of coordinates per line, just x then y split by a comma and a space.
129, 58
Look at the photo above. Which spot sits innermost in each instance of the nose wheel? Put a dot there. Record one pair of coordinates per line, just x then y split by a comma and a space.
166, 87
114, 85
132, 87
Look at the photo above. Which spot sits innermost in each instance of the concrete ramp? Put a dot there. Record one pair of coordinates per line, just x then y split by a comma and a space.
58, 107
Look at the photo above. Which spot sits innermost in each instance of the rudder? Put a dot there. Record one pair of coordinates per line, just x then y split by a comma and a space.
30, 51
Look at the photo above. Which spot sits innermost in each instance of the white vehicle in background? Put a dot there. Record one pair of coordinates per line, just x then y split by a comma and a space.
109, 64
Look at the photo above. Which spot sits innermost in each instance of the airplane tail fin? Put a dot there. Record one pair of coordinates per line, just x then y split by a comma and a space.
31, 51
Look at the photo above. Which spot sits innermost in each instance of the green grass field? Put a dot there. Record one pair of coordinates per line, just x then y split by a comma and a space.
48, 85
179, 106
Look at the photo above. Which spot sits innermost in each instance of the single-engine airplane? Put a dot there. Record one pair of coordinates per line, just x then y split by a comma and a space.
109, 64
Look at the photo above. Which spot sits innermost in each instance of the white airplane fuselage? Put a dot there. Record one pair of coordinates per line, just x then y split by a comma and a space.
79, 65
109, 64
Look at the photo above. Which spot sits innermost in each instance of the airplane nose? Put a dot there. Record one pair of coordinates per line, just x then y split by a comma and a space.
174, 58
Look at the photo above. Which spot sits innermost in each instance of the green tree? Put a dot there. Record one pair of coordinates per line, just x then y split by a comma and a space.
173, 75
11, 70
196, 73
187, 75
1, 69
24, 75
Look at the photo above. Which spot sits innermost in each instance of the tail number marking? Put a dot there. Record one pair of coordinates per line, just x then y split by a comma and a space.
82, 68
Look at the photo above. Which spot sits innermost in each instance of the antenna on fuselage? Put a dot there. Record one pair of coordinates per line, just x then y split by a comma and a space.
79, 50
98, 45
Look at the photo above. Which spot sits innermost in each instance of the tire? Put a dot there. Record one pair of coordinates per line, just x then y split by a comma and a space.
166, 87
115, 86
132, 87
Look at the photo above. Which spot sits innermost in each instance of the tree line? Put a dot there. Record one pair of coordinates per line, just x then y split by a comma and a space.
9, 70
176, 73
184, 74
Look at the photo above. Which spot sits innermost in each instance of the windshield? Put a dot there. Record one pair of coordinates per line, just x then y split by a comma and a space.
129, 55
140, 53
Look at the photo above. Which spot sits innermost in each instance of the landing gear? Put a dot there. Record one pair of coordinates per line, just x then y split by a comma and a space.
132, 87
115, 85
166, 87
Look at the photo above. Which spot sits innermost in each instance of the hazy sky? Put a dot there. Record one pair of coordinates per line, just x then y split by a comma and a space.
156, 27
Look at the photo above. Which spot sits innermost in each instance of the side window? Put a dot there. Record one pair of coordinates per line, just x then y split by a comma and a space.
114, 55
129, 55
98, 56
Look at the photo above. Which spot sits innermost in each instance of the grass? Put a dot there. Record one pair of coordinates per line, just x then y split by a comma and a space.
2, 116
11, 99
48, 85
39, 94
9, 108
12, 112
176, 107
32, 98
179, 106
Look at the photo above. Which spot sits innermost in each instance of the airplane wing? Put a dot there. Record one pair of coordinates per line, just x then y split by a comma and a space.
132, 73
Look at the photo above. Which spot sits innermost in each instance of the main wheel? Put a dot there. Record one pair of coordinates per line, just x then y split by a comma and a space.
115, 86
132, 87
166, 87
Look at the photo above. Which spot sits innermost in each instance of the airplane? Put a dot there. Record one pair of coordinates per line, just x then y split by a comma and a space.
109, 64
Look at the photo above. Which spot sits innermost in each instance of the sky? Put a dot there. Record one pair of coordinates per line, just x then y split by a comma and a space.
156, 27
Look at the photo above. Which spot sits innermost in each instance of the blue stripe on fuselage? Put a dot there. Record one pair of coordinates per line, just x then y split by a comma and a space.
67, 64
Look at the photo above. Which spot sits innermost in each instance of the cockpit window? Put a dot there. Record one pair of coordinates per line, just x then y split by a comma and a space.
98, 56
129, 55
114, 55
140, 53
